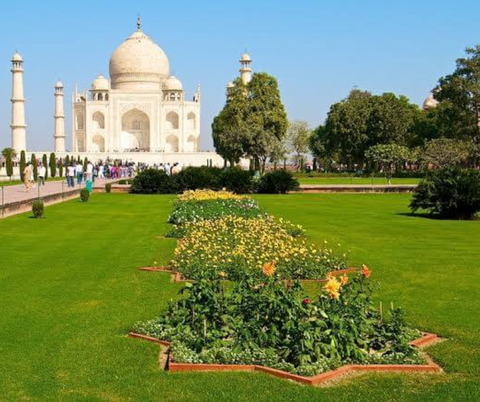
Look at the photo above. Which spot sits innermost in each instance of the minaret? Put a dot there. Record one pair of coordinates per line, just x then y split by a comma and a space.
245, 69
19, 128
59, 116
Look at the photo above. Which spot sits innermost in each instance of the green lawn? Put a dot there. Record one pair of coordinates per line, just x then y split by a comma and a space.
355, 180
69, 292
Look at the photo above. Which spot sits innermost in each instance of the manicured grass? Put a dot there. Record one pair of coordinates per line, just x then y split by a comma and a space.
355, 180
69, 292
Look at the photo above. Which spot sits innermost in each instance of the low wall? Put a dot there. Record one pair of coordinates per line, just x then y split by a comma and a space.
357, 188
19, 207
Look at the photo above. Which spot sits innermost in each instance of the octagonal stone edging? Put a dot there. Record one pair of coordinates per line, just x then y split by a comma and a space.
426, 340
177, 276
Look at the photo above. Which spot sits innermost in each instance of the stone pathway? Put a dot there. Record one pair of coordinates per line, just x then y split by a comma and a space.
14, 199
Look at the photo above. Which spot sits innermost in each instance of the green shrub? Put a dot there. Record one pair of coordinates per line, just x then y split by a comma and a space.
84, 195
193, 178
452, 193
237, 180
38, 208
108, 187
277, 182
152, 181
262, 321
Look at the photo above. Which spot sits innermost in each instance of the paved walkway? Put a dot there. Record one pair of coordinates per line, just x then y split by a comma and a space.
16, 193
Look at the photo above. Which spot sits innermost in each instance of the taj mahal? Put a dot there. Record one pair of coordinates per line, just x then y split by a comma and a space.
140, 113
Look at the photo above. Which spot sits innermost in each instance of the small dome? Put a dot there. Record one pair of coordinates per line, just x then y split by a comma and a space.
59, 84
138, 63
17, 57
173, 84
230, 85
430, 102
245, 57
100, 83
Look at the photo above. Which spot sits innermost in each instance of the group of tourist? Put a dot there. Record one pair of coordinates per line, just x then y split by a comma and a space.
76, 173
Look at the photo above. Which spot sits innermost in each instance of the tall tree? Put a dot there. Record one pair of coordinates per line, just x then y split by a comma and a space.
9, 151
388, 156
53, 165
252, 120
298, 135
45, 163
229, 128
33, 161
278, 153
266, 118
461, 91
60, 168
9, 165
23, 163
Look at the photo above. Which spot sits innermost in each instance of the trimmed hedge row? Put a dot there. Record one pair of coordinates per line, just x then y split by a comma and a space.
234, 179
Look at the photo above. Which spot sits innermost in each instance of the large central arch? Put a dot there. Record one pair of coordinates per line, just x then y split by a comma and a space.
135, 130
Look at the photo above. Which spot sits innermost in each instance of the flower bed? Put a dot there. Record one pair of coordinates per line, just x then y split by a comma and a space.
233, 245
263, 321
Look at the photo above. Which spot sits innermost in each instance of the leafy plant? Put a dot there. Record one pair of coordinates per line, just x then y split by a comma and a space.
452, 193
84, 195
204, 177
278, 182
38, 208
152, 181
237, 180
108, 188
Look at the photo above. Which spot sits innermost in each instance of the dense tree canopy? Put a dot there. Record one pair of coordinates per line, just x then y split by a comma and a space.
253, 121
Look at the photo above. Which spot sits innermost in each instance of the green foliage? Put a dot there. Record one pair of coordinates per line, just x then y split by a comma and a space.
447, 152
23, 163
53, 165
193, 178
33, 161
45, 163
9, 151
451, 193
60, 168
237, 180
388, 157
85, 163
461, 92
152, 181
9, 166
108, 188
265, 321
277, 182
84, 195
67, 161
195, 211
252, 121
298, 139
38, 208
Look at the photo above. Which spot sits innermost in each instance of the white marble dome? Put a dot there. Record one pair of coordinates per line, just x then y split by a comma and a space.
59, 84
430, 102
173, 84
245, 57
100, 83
138, 63
16, 57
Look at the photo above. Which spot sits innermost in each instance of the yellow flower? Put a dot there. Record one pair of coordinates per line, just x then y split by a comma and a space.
269, 269
333, 287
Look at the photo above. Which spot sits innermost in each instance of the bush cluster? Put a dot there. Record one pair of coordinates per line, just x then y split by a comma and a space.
264, 321
38, 208
451, 193
234, 179
84, 195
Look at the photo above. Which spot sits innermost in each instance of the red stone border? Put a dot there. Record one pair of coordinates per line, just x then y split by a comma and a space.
177, 276
425, 340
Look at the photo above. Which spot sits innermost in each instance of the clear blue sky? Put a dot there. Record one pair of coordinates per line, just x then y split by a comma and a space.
318, 50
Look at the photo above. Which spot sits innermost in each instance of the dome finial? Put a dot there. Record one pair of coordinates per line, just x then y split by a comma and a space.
139, 23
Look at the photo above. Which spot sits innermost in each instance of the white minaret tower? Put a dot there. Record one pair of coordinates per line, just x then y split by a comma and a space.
59, 117
19, 128
245, 69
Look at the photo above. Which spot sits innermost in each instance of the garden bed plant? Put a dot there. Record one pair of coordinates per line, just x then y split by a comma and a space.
263, 320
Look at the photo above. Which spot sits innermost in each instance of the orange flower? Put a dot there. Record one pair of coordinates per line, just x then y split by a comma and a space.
344, 280
269, 269
333, 287
365, 271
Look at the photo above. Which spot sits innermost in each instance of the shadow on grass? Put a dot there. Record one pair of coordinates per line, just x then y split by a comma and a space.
434, 217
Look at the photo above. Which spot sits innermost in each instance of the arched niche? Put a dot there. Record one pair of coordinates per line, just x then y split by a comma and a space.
135, 130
